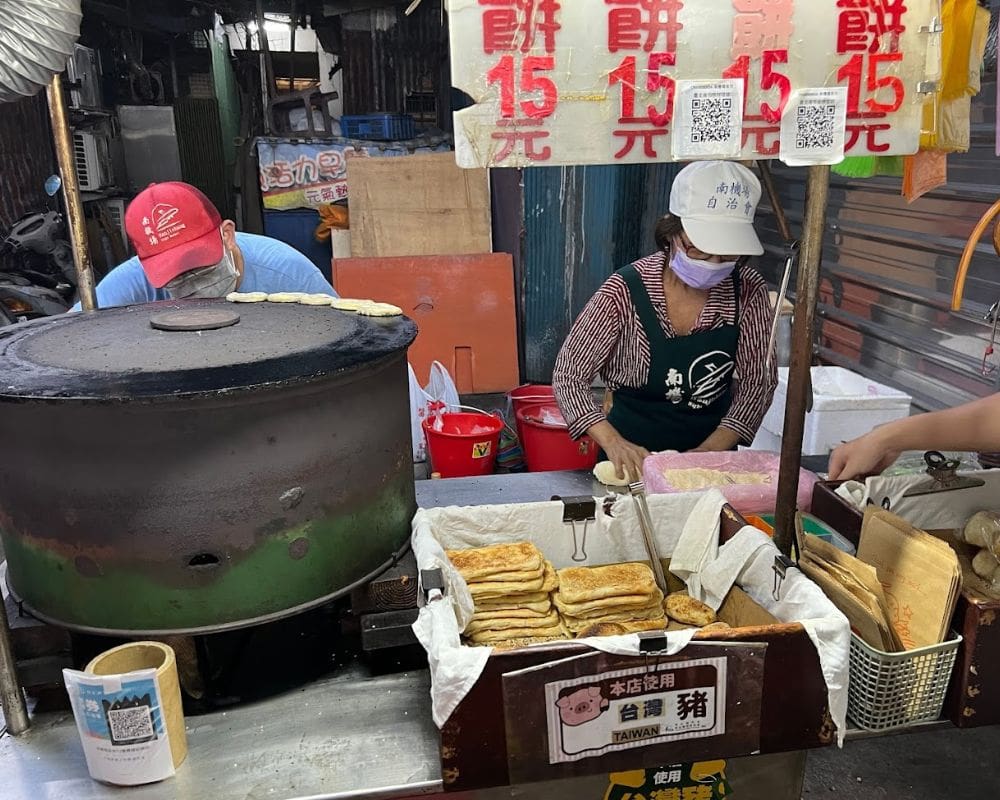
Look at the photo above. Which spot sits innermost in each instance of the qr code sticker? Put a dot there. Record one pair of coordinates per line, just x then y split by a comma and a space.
131, 725
711, 119
814, 126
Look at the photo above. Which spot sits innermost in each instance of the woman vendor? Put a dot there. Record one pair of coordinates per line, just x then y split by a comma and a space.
679, 337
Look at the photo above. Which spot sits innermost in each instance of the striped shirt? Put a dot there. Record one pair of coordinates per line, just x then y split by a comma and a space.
608, 339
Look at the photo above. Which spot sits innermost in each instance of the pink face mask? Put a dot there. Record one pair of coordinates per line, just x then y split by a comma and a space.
696, 273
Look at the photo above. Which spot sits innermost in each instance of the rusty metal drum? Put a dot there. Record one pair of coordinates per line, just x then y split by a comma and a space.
199, 466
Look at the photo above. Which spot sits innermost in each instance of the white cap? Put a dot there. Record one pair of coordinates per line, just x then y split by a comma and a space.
716, 202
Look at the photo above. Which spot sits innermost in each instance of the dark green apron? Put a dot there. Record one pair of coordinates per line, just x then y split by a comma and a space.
689, 388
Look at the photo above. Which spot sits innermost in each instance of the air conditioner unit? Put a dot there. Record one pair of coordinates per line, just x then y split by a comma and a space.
115, 207
84, 68
93, 161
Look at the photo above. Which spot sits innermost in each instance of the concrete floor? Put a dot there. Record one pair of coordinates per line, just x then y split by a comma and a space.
945, 764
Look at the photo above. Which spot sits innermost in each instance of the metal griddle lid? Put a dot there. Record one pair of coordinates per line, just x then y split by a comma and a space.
119, 353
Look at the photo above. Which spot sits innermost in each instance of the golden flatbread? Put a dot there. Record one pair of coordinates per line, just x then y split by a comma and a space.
653, 612
718, 626
496, 559
606, 604
543, 610
519, 633
512, 577
681, 607
619, 628
480, 626
516, 644
583, 584
527, 600
285, 297
493, 589
489, 588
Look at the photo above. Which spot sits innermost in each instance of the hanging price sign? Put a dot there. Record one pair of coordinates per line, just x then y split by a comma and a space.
633, 81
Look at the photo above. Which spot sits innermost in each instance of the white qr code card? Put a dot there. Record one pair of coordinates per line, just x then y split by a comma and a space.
812, 127
708, 119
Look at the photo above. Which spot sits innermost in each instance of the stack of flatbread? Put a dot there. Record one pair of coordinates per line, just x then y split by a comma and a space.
511, 586
613, 599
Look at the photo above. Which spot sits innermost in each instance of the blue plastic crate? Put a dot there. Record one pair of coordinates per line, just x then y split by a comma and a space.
379, 127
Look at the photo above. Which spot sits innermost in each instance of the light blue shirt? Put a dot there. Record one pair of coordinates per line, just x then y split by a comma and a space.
268, 266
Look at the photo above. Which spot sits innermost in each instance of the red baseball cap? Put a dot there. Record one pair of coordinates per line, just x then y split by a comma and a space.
174, 228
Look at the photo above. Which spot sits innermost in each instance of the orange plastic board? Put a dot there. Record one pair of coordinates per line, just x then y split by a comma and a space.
463, 305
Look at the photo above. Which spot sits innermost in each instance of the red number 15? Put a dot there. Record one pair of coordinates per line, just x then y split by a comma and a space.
503, 73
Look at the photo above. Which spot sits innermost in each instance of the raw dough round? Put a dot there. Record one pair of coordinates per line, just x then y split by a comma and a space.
316, 300
350, 304
285, 297
246, 297
380, 310
605, 473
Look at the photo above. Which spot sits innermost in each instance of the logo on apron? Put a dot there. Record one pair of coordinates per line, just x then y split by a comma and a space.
709, 378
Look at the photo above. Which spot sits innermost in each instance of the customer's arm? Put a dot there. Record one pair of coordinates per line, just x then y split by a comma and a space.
972, 426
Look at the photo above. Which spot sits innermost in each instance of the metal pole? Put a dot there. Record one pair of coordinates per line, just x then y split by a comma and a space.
71, 195
772, 195
15, 711
266, 83
799, 383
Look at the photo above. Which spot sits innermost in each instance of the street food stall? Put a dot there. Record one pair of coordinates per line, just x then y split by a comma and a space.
261, 470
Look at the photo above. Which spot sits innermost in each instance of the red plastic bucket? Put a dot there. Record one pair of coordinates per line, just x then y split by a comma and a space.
547, 444
465, 445
531, 394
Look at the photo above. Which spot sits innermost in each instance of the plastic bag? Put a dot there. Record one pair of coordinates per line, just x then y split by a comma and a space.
439, 394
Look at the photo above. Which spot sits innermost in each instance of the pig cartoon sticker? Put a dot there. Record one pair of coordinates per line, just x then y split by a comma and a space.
581, 705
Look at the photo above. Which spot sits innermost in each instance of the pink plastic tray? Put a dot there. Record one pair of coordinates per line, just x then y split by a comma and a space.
747, 498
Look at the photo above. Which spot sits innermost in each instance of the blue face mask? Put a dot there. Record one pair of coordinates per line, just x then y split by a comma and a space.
696, 273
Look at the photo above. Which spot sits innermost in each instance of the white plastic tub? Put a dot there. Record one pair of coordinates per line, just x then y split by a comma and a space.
845, 406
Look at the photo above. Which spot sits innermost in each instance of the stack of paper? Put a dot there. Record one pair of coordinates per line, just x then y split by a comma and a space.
853, 586
901, 590
920, 573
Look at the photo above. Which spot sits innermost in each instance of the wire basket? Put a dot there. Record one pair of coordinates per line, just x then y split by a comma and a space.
893, 690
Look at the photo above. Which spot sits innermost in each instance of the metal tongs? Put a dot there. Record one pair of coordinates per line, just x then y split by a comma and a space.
943, 477
638, 491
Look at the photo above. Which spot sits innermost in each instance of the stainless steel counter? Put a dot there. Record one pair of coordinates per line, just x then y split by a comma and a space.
349, 734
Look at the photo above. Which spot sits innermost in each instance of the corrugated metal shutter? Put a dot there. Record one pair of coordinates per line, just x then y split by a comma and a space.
888, 269
580, 225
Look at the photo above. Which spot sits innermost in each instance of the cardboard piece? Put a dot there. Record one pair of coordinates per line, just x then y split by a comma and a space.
464, 308
920, 573
418, 205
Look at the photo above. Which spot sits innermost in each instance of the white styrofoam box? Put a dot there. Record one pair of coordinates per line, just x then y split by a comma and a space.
845, 406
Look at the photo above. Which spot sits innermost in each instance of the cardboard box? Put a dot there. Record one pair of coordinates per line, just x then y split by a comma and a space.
845, 405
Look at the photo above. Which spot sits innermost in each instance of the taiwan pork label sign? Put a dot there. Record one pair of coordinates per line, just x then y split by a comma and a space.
598, 712
632, 81
633, 707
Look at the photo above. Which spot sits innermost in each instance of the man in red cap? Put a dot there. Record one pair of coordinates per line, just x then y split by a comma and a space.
185, 249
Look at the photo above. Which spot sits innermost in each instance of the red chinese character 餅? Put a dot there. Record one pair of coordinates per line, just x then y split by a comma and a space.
639, 24
761, 25
510, 25
866, 24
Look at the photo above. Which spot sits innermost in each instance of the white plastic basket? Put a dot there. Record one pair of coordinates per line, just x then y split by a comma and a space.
893, 690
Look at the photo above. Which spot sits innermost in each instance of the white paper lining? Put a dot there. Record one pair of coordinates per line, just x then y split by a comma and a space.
686, 525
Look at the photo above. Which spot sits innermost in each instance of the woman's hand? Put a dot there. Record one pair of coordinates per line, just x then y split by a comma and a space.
866, 455
619, 450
